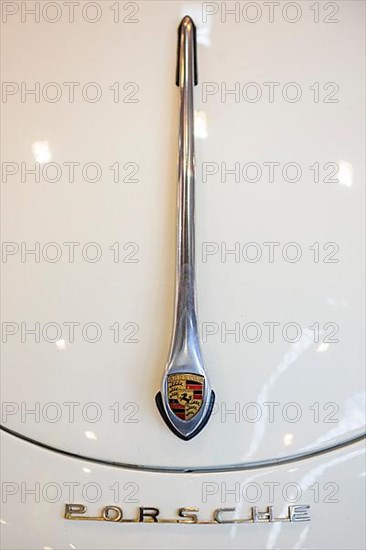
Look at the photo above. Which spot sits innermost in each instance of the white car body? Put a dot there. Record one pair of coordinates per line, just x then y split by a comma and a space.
89, 187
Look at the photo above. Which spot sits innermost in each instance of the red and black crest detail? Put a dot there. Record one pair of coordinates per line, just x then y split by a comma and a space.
185, 394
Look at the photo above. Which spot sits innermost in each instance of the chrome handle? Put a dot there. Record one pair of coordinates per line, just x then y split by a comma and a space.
186, 398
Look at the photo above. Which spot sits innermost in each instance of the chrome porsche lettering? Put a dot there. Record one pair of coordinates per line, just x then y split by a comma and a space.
189, 515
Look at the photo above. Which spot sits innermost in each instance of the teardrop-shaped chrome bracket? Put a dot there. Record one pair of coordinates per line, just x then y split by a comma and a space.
186, 430
186, 399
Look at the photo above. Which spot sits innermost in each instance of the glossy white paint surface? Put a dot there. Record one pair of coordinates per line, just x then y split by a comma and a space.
328, 484
306, 373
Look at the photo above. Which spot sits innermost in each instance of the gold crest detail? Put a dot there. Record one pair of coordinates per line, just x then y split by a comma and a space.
185, 394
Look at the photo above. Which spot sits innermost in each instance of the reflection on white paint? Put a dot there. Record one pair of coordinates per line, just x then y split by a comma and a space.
302, 537
305, 482
60, 344
288, 439
288, 361
87, 470
72, 546
322, 347
3, 522
353, 419
90, 435
203, 36
200, 125
345, 173
41, 152
334, 302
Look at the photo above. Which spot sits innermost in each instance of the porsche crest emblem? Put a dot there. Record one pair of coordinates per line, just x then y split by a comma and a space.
185, 394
